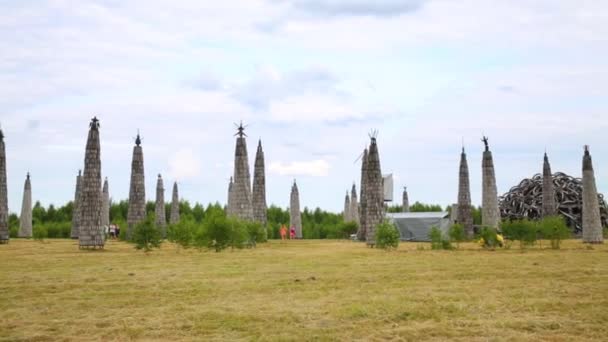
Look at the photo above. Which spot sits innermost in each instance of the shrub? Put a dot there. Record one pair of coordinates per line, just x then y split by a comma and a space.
523, 231
182, 233
554, 228
40, 233
146, 236
457, 234
219, 232
437, 239
489, 238
255, 233
348, 228
387, 236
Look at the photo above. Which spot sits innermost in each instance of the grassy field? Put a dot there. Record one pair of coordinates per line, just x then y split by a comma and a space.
302, 290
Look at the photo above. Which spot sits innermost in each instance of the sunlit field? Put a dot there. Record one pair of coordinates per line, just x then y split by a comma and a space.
302, 290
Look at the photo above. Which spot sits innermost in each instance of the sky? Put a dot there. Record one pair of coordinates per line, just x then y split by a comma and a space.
311, 79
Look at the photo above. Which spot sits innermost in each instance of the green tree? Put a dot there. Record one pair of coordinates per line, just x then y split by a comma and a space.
555, 229
146, 236
387, 236
523, 231
182, 233
457, 234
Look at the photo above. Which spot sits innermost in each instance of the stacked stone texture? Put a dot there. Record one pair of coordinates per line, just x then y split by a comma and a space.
230, 205
363, 198
91, 233
25, 220
490, 215
161, 217
105, 204
346, 216
295, 217
592, 226
549, 205
241, 189
259, 188
76, 207
406, 201
375, 194
174, 206
464, 215
354, 205
137, 192
4, 231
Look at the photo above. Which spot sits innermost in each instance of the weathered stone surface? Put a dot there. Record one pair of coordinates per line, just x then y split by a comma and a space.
346, 216
549, 204
374, 213
490, 214
230, 205
354, 205
241, 189
363, 202
137, 192
295, 216
105, 204
76, 207
405, 207
174, 205
259, 188
25, 220
161, 218
592, 226
4, 231
464, 213
91, 233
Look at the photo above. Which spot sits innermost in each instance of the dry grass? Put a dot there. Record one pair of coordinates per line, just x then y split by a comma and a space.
304, 290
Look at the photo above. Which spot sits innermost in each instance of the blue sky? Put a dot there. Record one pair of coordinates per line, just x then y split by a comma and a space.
311, 78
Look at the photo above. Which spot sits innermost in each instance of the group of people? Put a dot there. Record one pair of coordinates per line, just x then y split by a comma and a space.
112, 231
283, 231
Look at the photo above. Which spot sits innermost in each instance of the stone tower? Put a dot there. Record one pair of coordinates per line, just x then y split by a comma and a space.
375, 193
464, 215
174, 206
241, 189
91, 234
549, 206
105, 204
161, 218
295, 217
4, 231
354, 205
25, 220
406, 201
76, 207
592, 226
137, 193
363, 198
259, 188
230, 205
490, 215
346, 215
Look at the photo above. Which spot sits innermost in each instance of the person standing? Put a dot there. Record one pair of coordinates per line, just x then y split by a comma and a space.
283, 232
292, 233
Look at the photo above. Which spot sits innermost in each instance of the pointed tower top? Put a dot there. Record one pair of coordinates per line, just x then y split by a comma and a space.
138, 139
1, 134
586, 150
240, 130
546, 158
94, 125
159, 176
28, 175
405, 188
485, 142
373, 135
106, 179
80, 172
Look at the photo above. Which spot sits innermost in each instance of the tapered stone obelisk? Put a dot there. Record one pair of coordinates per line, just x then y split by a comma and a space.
549, 206
490, 215
375, 193
174, 206
25, 220
463, 208
91, 234
76, 207
354, 205
592, 225
259, 187
363, 198
406, 201
295, 216
4, 231
137, 193
105, 204
346, 216
161, 218
230, 205
241, 189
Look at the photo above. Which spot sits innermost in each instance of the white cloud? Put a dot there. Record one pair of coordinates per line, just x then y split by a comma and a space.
314, 168
184, 165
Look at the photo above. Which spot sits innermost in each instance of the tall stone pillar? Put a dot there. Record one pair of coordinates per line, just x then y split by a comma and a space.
25, 220
91, 234
549, 206
346, 216
137, 192
375, 193
354, 205
464, 214
76, 207
406, 201
4, 231
241, 189
259, 188
363, 198
490, 215
105, 204
161, 218
295, 216
174, 219
230, 205
592, 225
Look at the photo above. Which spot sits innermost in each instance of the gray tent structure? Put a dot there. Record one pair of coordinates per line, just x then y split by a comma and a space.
415, 226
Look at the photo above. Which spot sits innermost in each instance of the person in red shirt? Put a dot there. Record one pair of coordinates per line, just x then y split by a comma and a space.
292, 233
283, 232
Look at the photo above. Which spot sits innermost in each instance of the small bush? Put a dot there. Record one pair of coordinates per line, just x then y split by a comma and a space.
348, 228
255, 233
555, 229
523, 231
146, 236
182, 233
387, 236
40, 233
219, 232
490, 239
438, 241
457, 234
